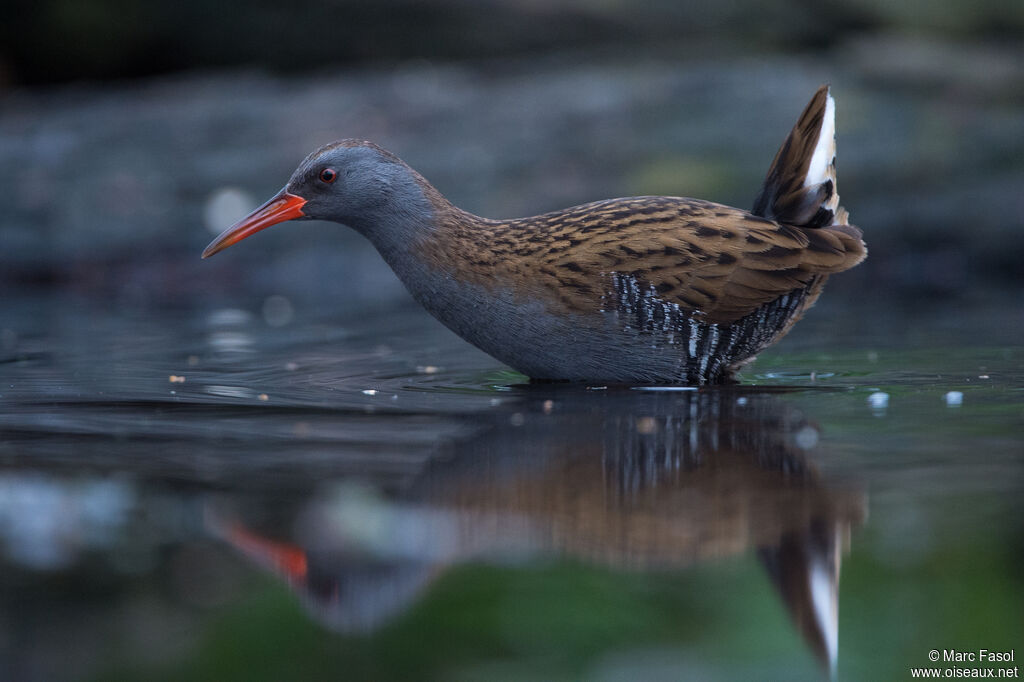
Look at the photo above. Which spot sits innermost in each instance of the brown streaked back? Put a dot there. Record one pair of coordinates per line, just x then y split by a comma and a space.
719, 262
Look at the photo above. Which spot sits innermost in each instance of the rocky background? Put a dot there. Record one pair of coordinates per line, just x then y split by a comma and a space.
130, 133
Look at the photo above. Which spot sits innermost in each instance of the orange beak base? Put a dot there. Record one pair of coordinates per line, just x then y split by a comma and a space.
278, 209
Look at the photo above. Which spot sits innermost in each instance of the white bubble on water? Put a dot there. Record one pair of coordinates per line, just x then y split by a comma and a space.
277, 311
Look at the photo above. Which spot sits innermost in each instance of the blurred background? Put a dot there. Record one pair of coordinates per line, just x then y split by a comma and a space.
191, 451
132, 132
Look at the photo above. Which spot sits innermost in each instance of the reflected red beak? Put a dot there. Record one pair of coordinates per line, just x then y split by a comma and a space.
288, 560
280, 208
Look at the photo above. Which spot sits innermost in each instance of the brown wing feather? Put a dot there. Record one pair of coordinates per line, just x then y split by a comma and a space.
718, 260
721, 261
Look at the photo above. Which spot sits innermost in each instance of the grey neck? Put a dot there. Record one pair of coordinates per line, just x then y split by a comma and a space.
394, 226
401, 234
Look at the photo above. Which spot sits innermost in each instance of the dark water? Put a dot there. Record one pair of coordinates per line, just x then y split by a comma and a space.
270, 493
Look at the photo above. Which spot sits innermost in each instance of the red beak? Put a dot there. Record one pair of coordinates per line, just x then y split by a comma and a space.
280, 208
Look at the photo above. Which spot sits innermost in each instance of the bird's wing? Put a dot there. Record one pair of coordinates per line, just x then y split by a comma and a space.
718, 261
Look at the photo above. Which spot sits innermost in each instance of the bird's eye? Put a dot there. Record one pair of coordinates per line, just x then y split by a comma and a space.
328, 175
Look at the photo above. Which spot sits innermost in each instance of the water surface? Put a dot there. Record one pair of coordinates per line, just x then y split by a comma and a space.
268, 493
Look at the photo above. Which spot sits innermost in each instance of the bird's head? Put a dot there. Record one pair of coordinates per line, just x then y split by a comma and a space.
352, 182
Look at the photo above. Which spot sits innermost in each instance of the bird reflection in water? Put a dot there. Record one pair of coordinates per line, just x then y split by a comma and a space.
628, 479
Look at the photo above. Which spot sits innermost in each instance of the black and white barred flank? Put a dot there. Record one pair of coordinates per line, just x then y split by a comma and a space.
709, 352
